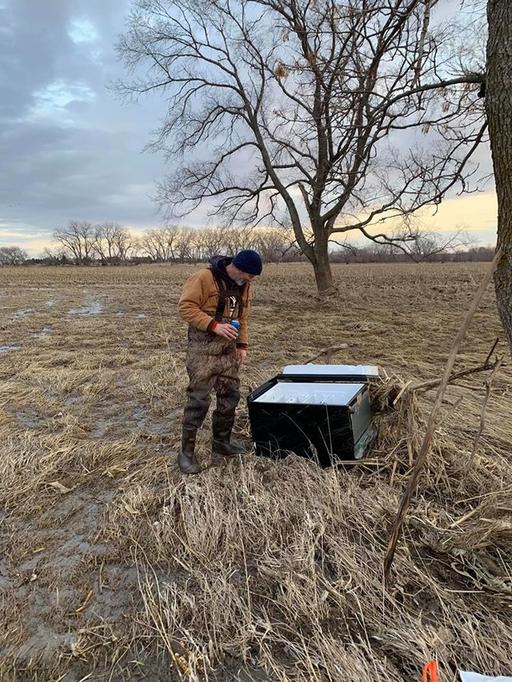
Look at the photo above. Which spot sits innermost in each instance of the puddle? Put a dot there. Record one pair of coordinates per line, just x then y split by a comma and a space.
29, 419
139, 421
249, 674
23, 313
141, 316
148, 424
94, 308
101, 427
9, 347
43, 334
5, 583
50, 303
72, 399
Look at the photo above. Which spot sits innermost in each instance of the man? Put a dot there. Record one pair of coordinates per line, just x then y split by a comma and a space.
211, 299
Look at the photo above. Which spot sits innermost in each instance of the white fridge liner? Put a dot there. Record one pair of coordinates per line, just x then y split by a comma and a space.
337, 370
310, 393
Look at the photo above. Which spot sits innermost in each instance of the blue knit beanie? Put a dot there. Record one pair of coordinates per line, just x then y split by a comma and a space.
248, 261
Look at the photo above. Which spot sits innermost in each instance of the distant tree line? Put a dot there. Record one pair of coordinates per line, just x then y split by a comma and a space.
382, 254
82, 243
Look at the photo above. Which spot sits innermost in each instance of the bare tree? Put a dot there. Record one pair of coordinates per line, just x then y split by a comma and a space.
426, 246
198, 244
112, 243
149, 245
275, 245
183, 250
161, 244
12, 255
212, 241
239, 238
298, 108
499, 111
54, 256
77, 241
124, 244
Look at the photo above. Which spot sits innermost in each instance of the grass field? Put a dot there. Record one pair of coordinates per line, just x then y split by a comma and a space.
115, 567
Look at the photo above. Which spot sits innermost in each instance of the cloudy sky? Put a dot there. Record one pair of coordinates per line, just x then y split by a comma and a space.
70, 150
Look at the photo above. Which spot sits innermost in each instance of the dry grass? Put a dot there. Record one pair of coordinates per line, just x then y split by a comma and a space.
115, 567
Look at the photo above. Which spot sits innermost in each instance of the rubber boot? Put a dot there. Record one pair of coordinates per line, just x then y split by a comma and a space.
187, 461
221, 445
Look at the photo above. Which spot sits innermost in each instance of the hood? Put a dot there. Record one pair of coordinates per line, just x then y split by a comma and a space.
218, 264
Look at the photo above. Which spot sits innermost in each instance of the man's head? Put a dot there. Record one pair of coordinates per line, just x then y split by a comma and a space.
245, 266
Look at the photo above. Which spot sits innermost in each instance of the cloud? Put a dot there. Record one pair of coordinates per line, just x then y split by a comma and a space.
54, 100
69, 149
82, 30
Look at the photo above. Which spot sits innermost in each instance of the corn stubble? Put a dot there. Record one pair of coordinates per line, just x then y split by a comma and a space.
114, 566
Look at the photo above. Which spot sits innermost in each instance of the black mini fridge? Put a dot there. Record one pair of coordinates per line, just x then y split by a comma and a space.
321, 412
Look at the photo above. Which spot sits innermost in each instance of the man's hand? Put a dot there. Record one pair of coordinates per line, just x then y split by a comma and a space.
242, 353
226, 330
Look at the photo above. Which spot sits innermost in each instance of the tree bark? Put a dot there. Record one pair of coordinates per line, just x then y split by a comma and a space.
499, 113
322, 268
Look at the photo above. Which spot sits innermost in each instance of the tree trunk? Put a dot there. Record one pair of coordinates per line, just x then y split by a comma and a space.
499, 114
323, 272
317, 253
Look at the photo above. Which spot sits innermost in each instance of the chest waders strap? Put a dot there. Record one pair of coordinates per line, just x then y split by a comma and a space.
221, 303
224, 292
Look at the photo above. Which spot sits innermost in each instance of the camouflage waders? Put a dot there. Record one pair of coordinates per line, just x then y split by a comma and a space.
212, 364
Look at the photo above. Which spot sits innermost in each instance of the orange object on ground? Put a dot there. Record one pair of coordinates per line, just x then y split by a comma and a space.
430, 672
